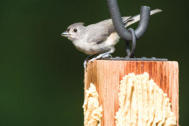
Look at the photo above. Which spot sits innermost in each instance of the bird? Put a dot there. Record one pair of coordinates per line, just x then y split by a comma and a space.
99, 38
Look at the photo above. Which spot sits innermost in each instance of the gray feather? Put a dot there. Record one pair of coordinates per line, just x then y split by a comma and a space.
105, 28
137, 17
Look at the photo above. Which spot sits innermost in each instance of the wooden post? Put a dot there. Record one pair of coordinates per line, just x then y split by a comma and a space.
107, 74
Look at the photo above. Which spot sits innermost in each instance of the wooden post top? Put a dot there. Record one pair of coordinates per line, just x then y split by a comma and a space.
107, 74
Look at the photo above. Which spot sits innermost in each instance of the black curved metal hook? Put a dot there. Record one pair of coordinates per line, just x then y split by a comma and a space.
130, 52
119, 26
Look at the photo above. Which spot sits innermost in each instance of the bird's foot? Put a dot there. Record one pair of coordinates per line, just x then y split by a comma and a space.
85, 64
86, 60
100, 56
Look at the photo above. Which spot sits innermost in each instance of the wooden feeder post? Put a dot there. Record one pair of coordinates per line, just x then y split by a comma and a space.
107, 74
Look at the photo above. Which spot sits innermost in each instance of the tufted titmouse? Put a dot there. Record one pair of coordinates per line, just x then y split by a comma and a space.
99, 38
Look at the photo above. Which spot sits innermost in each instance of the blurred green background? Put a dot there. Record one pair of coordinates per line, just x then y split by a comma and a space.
41, 73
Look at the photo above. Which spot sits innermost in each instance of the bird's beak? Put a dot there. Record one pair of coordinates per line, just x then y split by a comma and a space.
65, 34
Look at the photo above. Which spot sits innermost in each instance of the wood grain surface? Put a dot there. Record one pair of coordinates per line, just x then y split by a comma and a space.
106, 75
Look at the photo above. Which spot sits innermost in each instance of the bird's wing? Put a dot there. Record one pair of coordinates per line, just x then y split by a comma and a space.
127, 19
131, 20
99, 32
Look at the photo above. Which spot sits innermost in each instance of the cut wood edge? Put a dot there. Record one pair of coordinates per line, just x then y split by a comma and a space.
92, 109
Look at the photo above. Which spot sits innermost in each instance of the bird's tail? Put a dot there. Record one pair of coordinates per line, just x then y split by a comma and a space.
136, 18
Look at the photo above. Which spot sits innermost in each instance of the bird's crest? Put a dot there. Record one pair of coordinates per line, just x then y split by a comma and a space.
76, 24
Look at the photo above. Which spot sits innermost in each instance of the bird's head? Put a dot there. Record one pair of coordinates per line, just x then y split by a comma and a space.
74, 31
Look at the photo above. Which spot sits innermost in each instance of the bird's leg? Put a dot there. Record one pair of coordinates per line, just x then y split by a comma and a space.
103, 55
87, 59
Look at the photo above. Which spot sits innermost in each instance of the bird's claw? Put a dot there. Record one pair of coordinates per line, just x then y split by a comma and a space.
100, 56
104, 55
85, 64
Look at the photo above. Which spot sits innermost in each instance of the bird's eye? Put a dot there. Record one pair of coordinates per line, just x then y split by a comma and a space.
75, 30
68, 30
